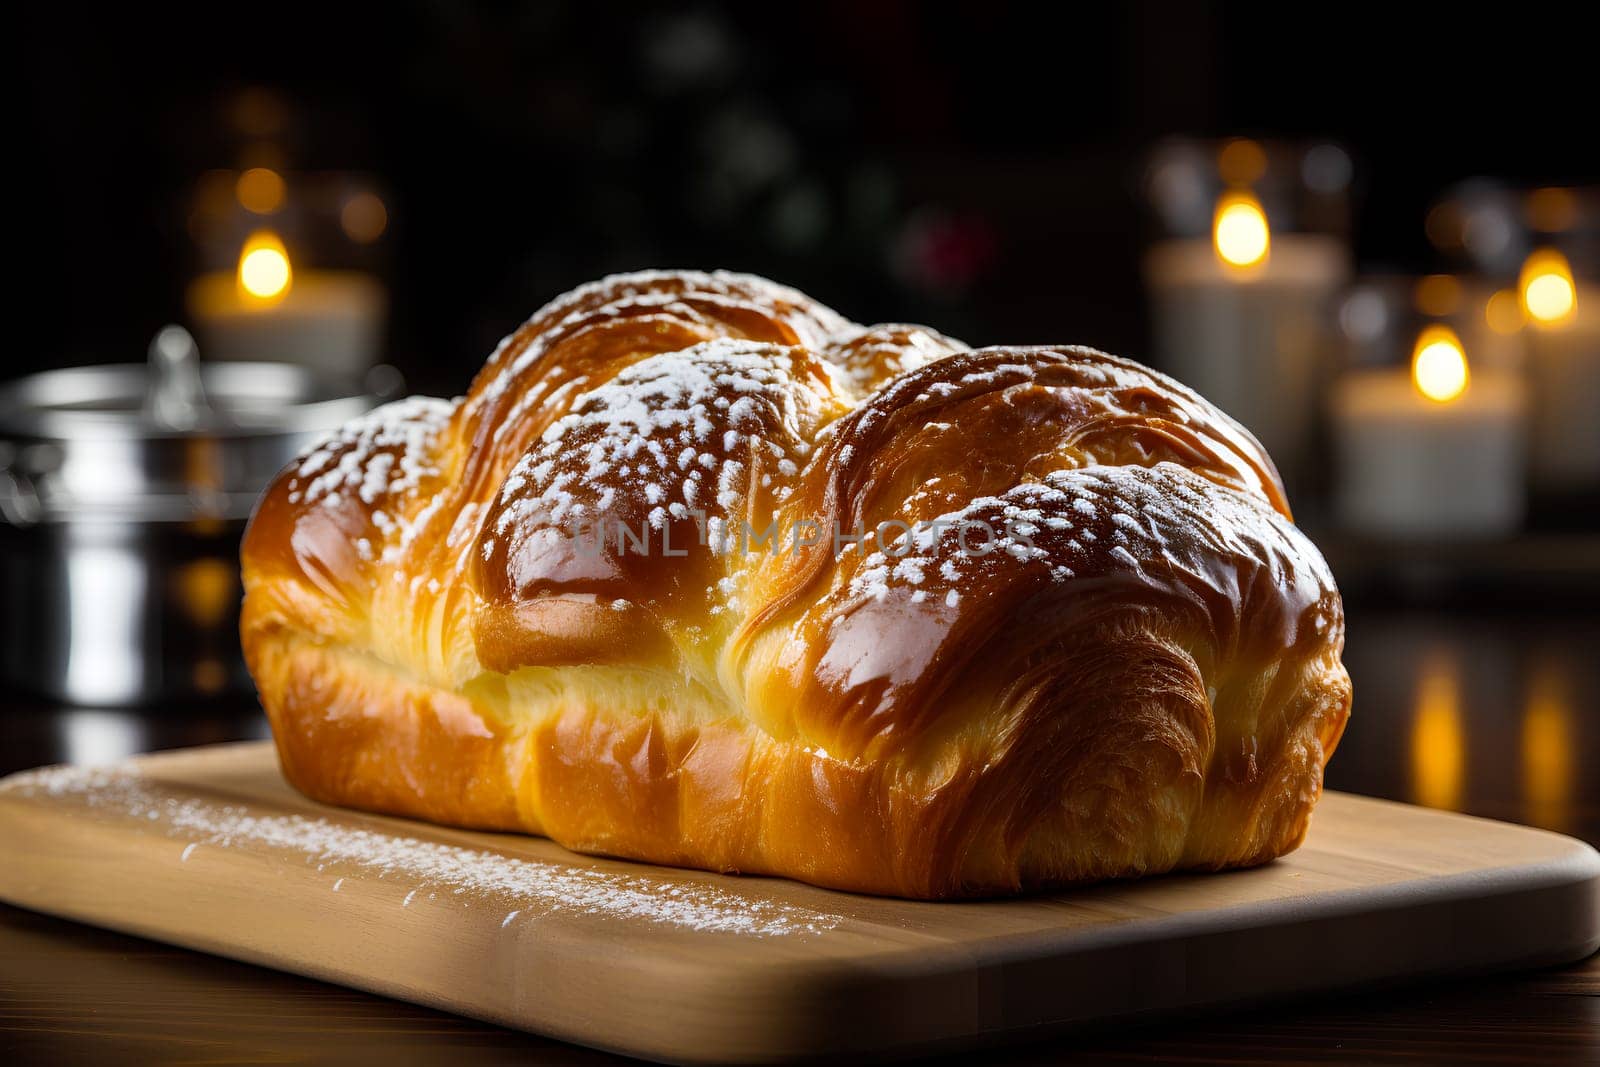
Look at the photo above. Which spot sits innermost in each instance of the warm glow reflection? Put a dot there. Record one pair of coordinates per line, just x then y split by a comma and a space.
210, 676
205, 588
364, 218
1241, 161
1239, 230
1547, 751
1437, 294
1503, 312
1445, 226
1552, 210
1439, 364
1547, 290
1438, 744
260, 190
264, 272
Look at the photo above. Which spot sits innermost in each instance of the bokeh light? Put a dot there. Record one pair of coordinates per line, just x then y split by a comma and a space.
1439, 364
1240, 232
264, 272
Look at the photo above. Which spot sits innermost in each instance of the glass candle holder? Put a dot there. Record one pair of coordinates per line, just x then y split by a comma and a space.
286, 268
1251, 253
1542, 246
288, 259
1428, 420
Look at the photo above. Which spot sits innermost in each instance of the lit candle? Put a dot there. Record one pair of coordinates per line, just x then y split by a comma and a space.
1563, 373
267, 310
1242, 319
1433, 453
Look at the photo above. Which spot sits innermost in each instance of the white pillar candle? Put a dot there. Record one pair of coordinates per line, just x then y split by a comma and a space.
1251, 339
1564, 395
1410, 466
329, 320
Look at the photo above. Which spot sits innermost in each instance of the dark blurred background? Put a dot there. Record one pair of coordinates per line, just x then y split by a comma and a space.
973, 165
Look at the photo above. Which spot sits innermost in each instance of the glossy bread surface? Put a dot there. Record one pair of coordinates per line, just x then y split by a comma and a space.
699, 572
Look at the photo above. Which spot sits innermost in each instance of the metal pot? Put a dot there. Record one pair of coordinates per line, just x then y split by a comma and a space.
124, 490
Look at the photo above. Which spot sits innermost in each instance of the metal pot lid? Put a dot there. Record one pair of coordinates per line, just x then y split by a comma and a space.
175, 394
172, 439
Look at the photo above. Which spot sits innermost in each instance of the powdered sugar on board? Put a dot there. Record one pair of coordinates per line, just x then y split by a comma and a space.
528, 889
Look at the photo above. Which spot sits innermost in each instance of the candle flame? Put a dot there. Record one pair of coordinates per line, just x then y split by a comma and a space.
1239, 230
1439, 364
264, 271
1548, 293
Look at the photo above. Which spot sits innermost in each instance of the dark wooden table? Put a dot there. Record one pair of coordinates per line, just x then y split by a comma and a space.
1497, 715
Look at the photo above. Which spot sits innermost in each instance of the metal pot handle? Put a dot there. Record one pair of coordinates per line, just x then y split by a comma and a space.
19, 500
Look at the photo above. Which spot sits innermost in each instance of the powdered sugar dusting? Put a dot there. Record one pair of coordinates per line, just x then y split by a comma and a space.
1163, 526
384, 453
529, 889
677, 439
869, 356
655, 291
381, 458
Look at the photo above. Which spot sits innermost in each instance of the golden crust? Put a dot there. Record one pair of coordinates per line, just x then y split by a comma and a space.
687, 578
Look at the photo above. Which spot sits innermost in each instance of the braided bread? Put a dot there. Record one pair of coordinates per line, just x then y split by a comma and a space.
700, 573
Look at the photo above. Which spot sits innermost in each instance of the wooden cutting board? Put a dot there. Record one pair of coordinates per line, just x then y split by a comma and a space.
208, 848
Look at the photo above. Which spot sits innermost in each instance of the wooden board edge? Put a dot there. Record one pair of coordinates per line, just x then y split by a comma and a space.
1543, 915
1009, 988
